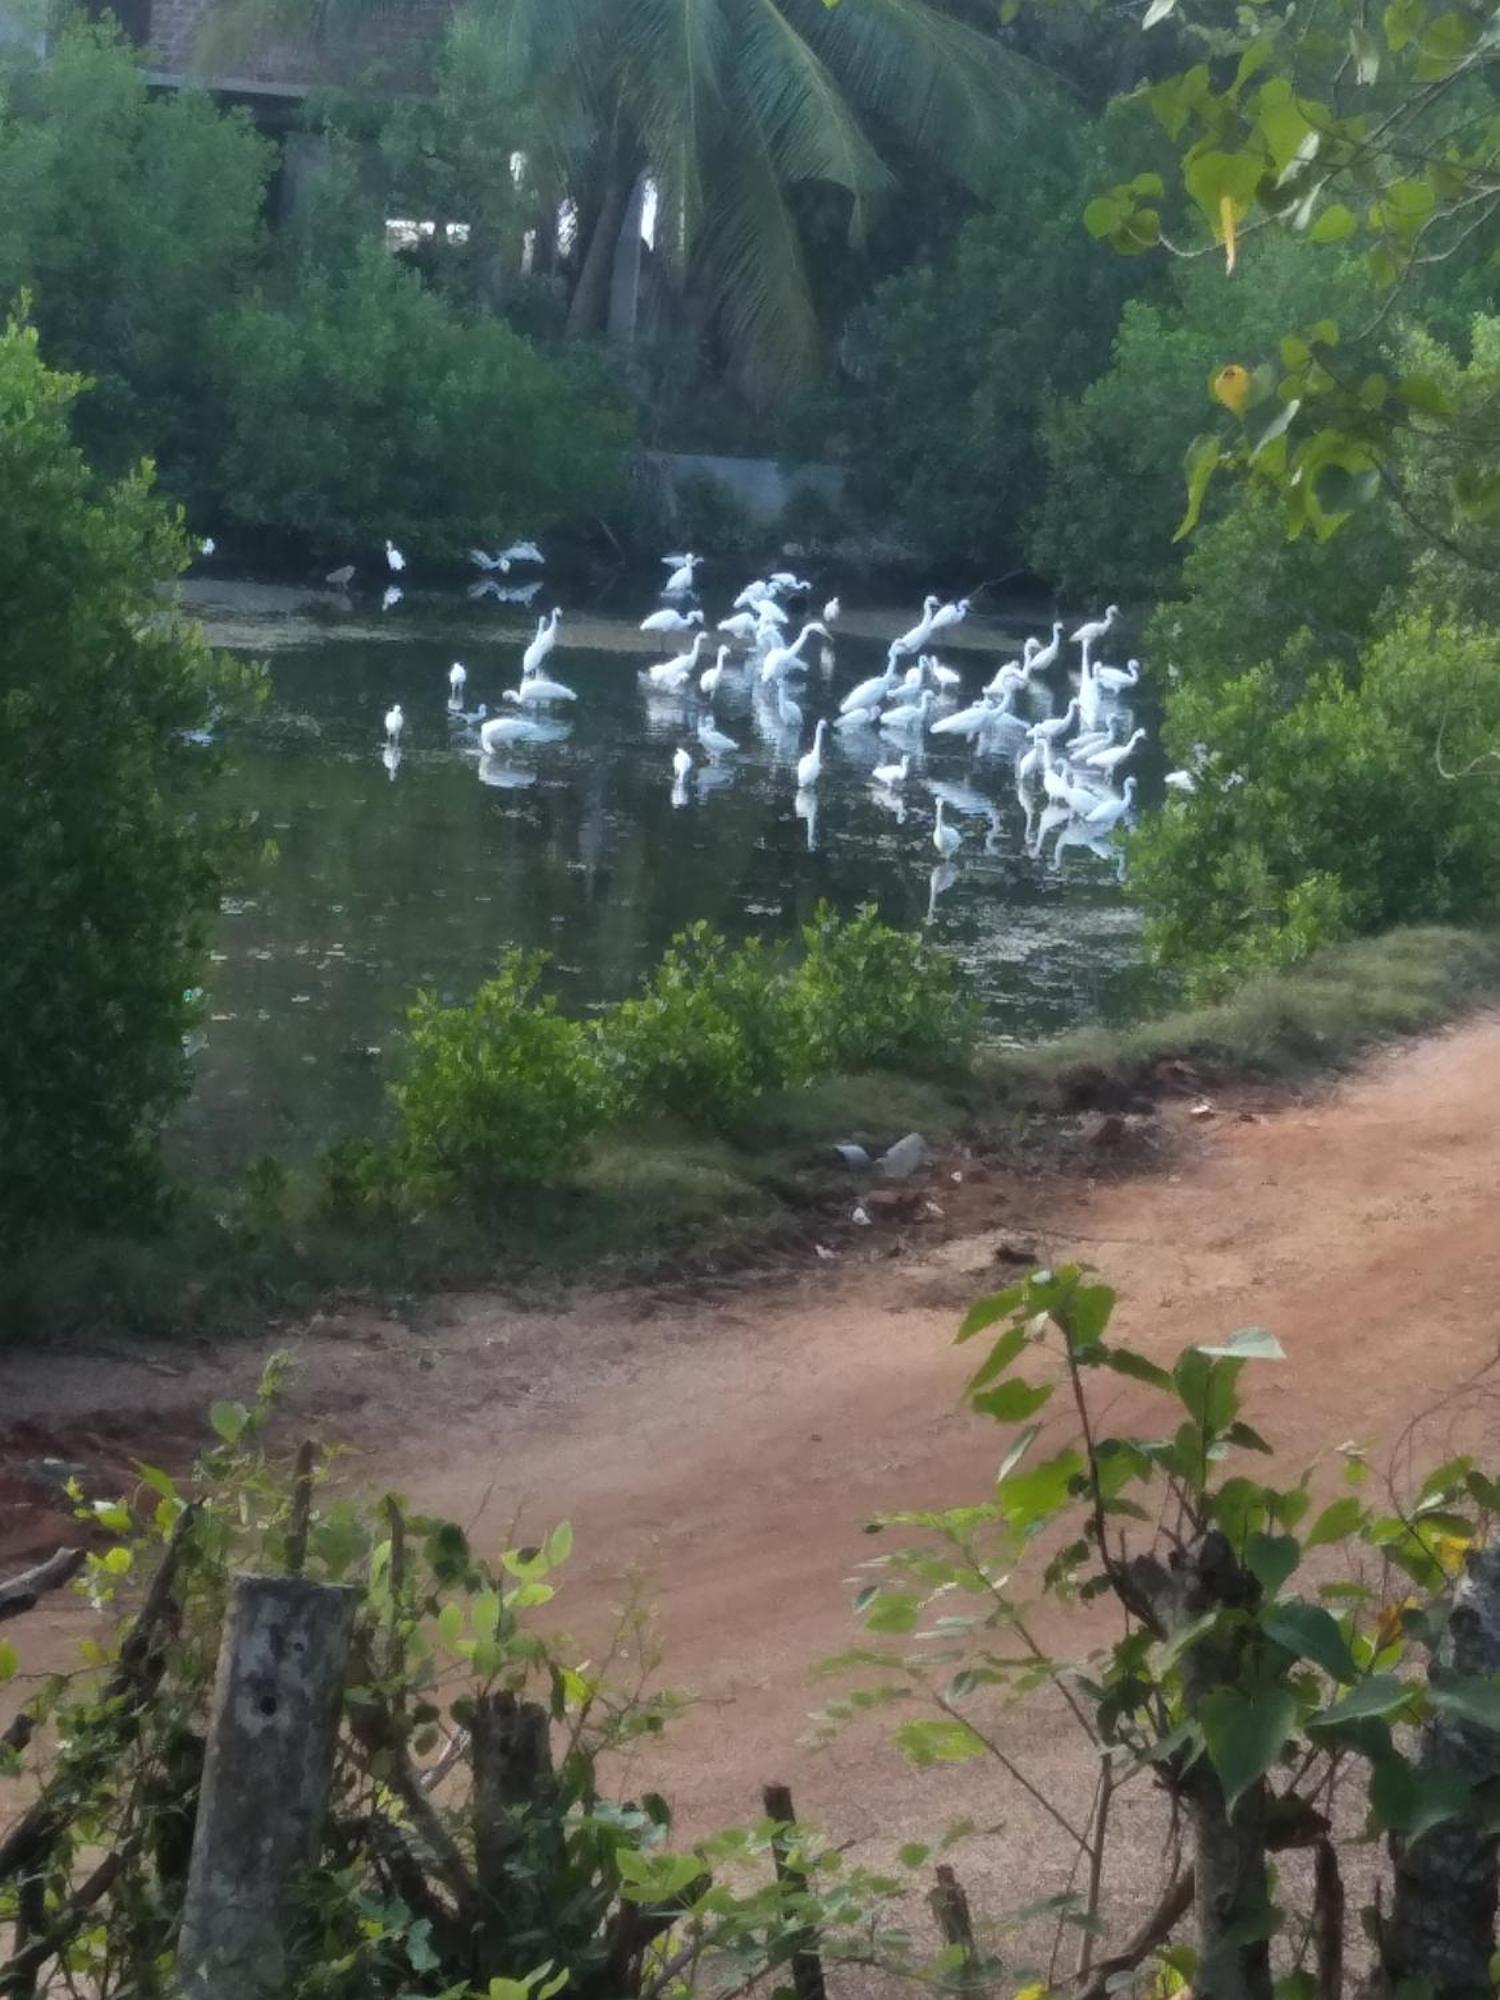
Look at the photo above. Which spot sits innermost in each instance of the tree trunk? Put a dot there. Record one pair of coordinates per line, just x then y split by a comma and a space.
590, 301
1441, 1932
1231, 1892
625, 271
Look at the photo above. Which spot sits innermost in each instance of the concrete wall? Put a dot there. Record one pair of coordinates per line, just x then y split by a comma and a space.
760, 487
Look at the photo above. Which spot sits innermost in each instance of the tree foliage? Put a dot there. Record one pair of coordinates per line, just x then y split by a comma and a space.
108, 824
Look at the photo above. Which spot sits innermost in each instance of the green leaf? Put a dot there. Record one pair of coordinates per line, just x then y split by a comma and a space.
1028, 1498
1403, 21
1103, 215
1271, 1559
913, 1853
1311, 1633
1001, 1355
1013, 1401
1251, 1343
485, 1614
450, 1624
892, 1611
984, 1312
1472, 1699
228, 1420
1203, 459
1404, 1801
1125, 1361
10, 1660
1245, 1734
1334, 224
1376, 1695
1426, 398
938, 1742
1344, 1517
558, 1546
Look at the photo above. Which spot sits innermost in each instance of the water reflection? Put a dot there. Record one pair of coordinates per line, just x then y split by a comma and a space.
581, 839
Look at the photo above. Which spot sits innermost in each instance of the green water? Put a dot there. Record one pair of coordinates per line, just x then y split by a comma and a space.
385, 882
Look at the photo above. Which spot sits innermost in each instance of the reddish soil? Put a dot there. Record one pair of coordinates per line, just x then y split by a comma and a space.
729, 1449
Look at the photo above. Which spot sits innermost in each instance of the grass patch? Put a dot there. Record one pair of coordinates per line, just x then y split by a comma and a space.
1318, 1016
646, 1199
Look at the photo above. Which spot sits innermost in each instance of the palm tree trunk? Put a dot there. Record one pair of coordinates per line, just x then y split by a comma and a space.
593, 293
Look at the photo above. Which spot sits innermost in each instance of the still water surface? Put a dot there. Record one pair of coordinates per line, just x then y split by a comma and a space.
385, 881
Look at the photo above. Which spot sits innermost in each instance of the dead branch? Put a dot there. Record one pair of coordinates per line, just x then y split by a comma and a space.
135, 1676
301, 1517
1176, 1901
22, 1592
1328, 1921
19, 1977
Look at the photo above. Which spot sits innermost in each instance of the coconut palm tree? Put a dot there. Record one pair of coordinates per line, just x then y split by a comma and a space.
727, 107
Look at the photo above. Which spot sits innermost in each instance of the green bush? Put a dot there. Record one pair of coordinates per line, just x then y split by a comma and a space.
868, 997
957, 359
710, 1032
133, 222
360, 404
110, 831
1365, 802
1114, 483
499, 1093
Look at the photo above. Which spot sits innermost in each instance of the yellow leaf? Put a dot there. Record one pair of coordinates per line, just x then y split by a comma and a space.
1228, 222
1388, 1625
1231, 386
1450, 1551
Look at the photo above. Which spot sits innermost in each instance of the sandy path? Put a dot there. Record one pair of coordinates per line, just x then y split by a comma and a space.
730, 1450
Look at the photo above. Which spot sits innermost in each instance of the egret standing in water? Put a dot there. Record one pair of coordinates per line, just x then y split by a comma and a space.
946, 839
810, 767
542, 644
395, 722
457, 679
395, 561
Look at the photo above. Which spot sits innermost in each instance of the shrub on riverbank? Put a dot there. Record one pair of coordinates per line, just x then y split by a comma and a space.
110, 830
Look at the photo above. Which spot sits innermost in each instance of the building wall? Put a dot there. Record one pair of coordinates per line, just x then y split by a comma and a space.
390, 42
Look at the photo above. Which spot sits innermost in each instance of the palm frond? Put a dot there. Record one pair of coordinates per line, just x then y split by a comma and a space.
944, 84
751, 263
797, 109
674, 53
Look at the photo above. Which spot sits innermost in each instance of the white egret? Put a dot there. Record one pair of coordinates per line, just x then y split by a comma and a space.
714, 741
1181, 781
1111, 759
1058, 725
1089, 634
511, 729
908, 714
946, 839
752, 595
680, 582
783, 659
831, 611
1115, 680
675, 673
788, 712
810, 767
921, 632
457, 679
682, 763
671, 621
941, 676
395, 722
742, 625
207, 546
870, 693
787, 584
1107, 813
542, 644
710, 677
539, 687
856, 718
892, 776
950, 614
971, 721
1046, 656
394, 558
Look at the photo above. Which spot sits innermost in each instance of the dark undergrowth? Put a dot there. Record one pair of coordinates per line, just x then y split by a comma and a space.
644, 1202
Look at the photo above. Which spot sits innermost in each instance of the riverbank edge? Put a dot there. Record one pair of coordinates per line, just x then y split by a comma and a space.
649, 1205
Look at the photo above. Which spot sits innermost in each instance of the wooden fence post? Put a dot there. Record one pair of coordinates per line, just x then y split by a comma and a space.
266, 1777
807, 1966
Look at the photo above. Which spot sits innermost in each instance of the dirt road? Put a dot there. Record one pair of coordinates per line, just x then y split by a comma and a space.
729, 1450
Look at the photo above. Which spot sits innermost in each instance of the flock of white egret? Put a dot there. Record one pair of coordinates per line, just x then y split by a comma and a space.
1067, 763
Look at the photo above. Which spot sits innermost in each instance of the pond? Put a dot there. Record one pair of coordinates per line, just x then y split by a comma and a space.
384, 876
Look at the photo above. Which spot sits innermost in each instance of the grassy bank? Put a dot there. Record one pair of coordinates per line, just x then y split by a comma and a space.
651, 1201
